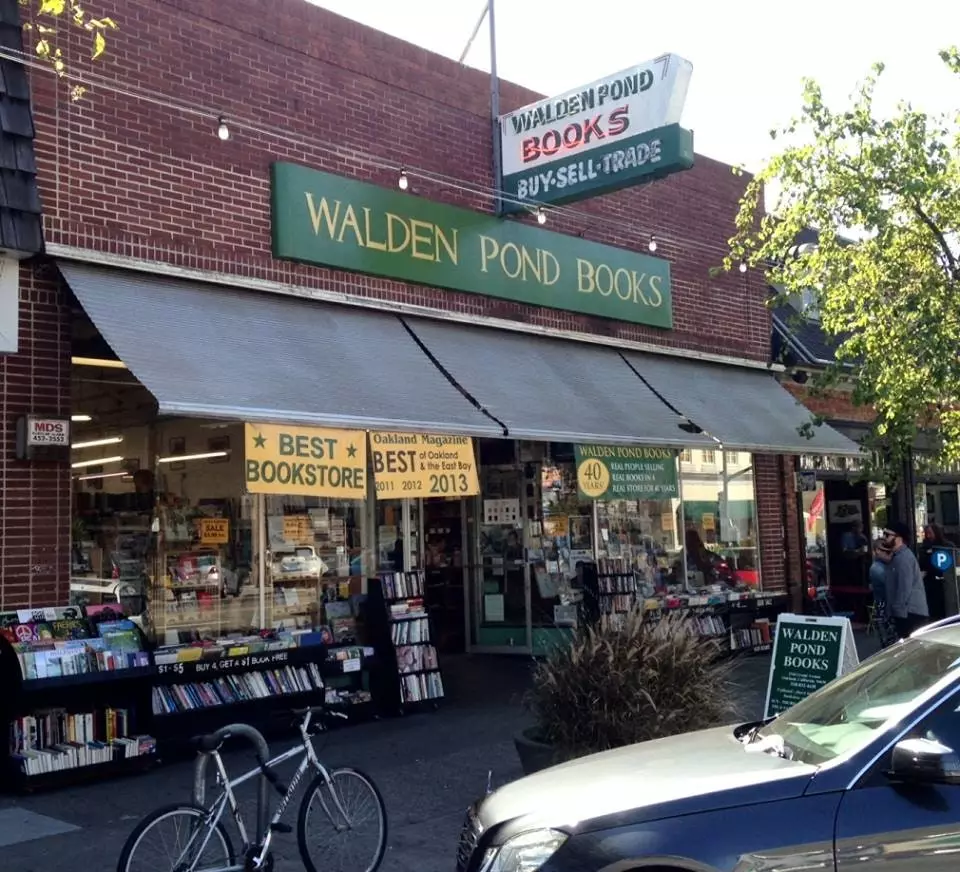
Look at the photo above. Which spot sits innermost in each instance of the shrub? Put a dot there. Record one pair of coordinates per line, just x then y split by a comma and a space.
617, 683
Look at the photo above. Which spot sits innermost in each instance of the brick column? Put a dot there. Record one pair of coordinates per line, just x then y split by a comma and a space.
35, 509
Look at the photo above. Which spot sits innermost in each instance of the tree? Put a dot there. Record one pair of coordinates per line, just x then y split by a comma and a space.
42, 18
883, 195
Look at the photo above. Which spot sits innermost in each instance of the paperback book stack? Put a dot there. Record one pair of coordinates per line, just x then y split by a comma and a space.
56, 740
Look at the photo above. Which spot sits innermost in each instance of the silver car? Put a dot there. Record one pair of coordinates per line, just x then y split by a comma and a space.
863, 774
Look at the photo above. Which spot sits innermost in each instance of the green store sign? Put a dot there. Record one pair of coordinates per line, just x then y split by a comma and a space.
324, 219
625, 472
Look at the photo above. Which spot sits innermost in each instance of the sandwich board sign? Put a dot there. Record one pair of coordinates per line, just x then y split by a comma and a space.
808, 652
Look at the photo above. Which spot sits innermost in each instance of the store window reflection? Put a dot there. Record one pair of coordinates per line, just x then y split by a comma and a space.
719, 519
398, 535
315, 554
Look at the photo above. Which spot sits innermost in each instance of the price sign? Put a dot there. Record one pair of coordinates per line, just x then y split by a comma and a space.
418, 465
213, 531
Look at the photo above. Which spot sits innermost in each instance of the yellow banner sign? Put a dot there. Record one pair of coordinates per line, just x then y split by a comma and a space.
305, 461
415, 465
213, 531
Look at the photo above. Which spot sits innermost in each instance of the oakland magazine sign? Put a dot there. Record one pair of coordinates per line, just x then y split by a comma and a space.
610, 134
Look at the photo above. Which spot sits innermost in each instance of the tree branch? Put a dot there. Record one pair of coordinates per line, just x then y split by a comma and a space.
941, 239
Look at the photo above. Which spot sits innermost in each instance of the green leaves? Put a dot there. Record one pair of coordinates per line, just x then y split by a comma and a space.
883, 195
45, 44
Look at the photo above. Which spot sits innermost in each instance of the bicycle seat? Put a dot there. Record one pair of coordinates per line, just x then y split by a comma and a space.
208, 743
312, 709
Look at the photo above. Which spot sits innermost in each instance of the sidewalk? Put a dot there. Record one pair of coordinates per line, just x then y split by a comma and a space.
429, 767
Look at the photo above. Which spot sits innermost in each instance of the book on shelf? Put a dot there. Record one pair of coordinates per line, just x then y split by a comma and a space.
416, 658
403, 585
421, 686
756, 635
54, 740
405, 609
412, 632
229, 689
68, 646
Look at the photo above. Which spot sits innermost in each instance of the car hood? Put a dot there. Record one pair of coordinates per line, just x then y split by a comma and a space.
681, 767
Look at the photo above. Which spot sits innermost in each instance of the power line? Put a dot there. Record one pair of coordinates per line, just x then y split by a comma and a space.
349, 155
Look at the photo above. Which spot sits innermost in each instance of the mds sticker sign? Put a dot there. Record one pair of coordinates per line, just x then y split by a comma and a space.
612, 133
305, 461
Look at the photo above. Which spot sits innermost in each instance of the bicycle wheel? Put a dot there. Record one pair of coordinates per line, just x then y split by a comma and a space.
177, 834
326, 840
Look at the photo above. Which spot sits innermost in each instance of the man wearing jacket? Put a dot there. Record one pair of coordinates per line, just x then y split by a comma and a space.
906, 597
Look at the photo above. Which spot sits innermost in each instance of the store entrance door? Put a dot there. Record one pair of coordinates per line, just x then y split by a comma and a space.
498, 592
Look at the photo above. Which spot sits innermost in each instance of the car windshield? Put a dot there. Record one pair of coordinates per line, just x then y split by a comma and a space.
846, 714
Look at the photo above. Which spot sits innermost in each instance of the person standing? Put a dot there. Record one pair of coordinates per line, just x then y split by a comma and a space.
879, 570
906, 597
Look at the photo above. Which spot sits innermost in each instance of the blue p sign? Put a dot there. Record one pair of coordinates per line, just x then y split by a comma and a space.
941, 559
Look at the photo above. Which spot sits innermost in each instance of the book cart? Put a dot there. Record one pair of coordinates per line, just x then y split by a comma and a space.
739, 621
403, 630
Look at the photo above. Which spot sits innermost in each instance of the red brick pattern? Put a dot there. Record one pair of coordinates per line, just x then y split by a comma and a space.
769, 487
123, 175
35, 497
835, 405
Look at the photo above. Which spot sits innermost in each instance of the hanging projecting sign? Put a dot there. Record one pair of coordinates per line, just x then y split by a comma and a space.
305, 461
624, 472
616, 132
418, 465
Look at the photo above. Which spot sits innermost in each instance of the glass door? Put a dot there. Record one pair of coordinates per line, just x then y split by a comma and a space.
498, 591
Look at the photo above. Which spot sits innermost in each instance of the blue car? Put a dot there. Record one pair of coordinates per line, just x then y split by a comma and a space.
862, 775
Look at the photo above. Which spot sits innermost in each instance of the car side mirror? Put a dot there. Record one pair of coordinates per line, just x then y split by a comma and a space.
924, 761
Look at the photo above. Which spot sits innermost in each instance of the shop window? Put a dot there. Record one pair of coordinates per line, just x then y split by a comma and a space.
720, 523
398, 535
686, 456
314, 564
709, 458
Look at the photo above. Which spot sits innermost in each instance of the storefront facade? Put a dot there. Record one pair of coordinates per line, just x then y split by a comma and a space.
199, 294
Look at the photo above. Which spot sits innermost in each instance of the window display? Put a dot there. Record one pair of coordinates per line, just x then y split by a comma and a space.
315, 565
719, 519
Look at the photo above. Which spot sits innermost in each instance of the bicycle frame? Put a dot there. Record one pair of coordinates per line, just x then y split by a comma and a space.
227, 798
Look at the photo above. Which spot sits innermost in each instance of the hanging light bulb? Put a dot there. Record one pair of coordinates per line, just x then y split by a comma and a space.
223, 132
403, 182
653, 243
541, 216
743, 266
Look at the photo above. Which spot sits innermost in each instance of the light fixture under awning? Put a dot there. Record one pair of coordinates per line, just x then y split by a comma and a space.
213, 351
553, 389
745, 409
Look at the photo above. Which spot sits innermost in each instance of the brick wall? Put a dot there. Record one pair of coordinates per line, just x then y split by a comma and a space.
833, 405
129, 176
35, 497
769, 486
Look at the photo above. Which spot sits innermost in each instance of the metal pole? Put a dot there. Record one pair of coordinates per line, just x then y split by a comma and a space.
476, 30
495, 110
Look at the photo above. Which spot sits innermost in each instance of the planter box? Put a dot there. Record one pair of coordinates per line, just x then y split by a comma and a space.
534, 754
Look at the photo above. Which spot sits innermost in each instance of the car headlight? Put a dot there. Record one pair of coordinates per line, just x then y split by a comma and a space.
524, 853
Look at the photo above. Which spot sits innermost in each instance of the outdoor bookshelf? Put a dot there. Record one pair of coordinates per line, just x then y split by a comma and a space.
398, 615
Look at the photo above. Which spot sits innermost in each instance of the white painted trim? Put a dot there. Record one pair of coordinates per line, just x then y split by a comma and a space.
101, 258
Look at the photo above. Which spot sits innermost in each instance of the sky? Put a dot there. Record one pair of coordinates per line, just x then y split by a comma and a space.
749, 56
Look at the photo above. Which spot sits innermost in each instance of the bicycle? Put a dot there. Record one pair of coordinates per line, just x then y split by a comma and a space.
206, 831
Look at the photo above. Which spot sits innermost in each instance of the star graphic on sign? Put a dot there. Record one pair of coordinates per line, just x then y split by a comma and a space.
260, 440
351, 450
